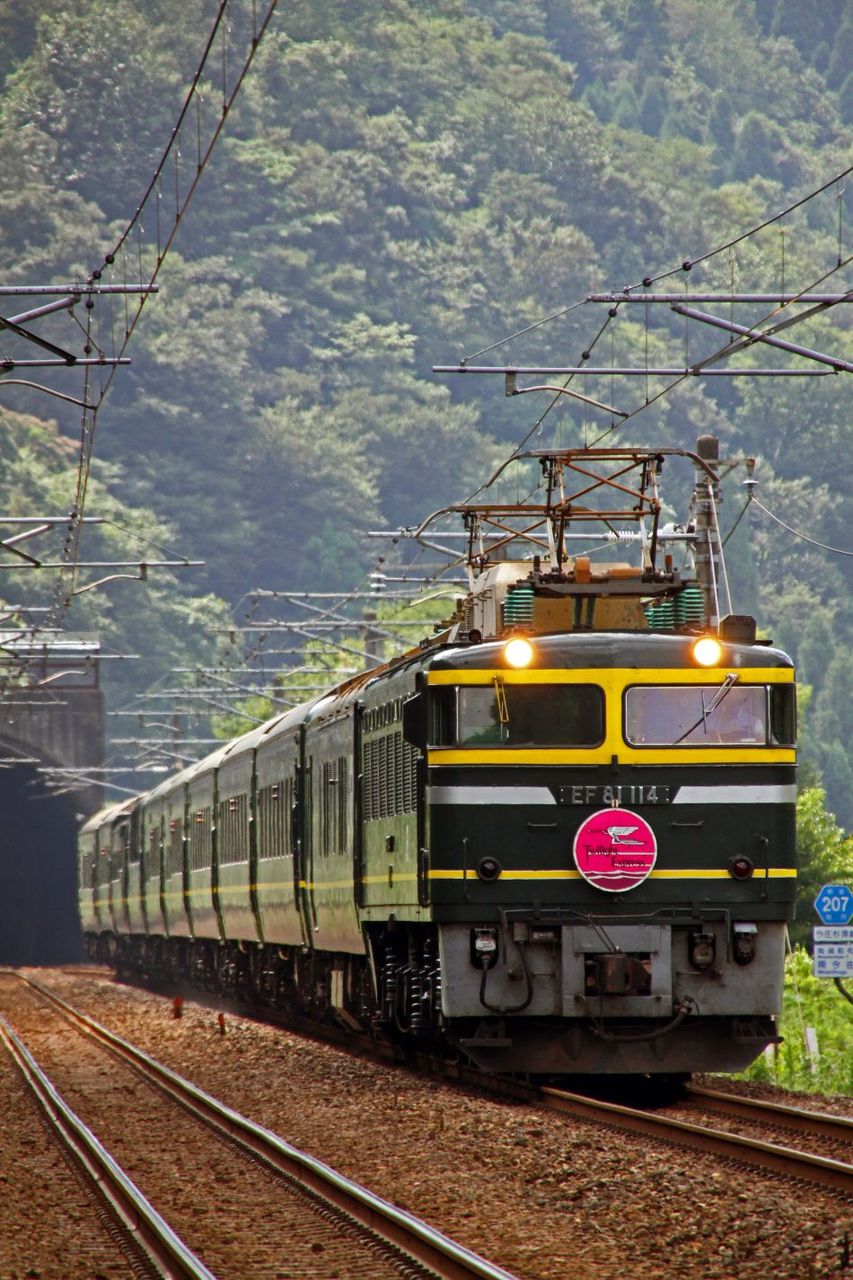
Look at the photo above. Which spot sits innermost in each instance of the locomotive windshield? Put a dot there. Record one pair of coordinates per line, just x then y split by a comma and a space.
515, 715
704, 715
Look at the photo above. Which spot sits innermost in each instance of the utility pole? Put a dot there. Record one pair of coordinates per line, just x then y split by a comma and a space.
373, 637
707, 548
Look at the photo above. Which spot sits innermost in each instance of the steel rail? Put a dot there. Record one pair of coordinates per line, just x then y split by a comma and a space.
437, 1252
835, 1174
137, 1215
814, 1169
767, 1155
819, 1123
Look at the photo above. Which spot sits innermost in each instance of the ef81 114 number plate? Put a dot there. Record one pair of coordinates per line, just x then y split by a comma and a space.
611, 794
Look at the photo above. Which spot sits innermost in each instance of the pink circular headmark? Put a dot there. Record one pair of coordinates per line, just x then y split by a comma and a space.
615, 849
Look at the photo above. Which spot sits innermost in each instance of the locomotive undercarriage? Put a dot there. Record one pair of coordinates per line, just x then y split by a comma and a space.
580, 1046
499, 1019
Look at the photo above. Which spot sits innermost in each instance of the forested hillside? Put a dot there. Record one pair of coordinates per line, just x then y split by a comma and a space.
403, 183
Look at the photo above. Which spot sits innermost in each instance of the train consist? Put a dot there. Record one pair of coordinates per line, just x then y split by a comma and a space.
556, 838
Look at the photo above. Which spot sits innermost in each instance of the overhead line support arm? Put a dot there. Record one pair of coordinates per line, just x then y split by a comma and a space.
756, 335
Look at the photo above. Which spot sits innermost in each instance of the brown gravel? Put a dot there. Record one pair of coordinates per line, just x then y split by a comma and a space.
238, 1218
548, 1197
768, 1127
45, 1213
833, 1104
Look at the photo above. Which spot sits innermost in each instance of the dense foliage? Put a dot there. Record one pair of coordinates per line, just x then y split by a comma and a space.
407, 181
35, 464
814, 1055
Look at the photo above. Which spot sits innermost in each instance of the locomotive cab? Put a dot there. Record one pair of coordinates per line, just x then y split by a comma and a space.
611, 831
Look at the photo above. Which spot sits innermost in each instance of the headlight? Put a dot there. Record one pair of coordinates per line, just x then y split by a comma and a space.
708, 651
519, 652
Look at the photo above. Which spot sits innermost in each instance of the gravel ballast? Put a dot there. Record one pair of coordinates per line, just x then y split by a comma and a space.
548, 1197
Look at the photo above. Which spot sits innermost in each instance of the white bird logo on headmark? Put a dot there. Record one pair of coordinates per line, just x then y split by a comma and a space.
619, 835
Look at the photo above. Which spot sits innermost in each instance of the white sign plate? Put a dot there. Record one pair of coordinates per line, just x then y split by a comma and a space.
833, 932
833, 960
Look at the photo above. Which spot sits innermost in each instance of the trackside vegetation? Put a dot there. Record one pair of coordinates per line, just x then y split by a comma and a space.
817, 1029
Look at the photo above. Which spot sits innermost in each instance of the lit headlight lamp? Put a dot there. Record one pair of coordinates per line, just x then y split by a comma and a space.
519, 652
707, 651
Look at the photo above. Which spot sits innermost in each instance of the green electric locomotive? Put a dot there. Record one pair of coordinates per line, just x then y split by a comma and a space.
557, 838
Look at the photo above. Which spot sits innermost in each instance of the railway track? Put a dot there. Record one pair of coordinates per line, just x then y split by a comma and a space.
779, 1157
759, 1152
397, 1242
148, 1229
537, 1192
809, 1166
817, 1124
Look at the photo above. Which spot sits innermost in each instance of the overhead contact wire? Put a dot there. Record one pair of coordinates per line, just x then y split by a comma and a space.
838, 551
730, 244
62, 595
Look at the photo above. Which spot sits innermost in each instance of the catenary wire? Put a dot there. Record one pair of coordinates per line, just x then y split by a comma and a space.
684, 376
63, 592
685, 265
814, 542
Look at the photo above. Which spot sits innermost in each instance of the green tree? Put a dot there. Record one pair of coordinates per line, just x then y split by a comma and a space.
721, 123
626, 107
644, 25
765, 12
755, 149
585, 35
598, 97
164, 619
19, 34
845, 99
798, 24
81, 86
652, 105
824, 853
841, 57
832, 731
524, 16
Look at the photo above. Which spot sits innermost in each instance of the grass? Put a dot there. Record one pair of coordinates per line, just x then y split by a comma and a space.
817, 1003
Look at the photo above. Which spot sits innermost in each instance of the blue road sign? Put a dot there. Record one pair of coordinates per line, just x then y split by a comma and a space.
834, 903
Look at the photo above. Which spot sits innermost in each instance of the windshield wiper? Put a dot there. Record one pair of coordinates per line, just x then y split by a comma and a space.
503, 709
728, 683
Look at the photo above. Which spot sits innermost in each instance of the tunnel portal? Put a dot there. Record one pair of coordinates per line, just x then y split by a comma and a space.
51, 757
39, 922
